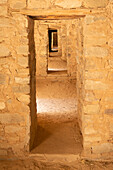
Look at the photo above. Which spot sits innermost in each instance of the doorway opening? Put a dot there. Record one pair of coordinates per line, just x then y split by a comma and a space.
53, 41
58, 131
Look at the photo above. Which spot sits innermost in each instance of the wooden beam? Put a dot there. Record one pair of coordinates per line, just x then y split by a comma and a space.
57, 14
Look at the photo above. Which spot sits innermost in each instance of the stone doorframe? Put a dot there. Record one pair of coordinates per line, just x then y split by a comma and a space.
52, 15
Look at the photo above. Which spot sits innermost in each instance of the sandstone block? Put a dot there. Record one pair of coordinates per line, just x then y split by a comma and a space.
36, 3
13, 129
103, 148
5, 22
23, 61
20, 80
2, 79
3, 152
8, 118
22, 50
95, 75
90, 97
68, 4
24, 98
96, 52
109, 111
95, 3
91, 109
21, 89
92, 138
89, 131
110, 43
3, 10
4, 51
3, 1
94, 41
16, 4
89, 19
2, 105
95, 85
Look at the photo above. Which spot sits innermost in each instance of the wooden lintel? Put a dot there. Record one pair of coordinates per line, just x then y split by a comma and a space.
58, 14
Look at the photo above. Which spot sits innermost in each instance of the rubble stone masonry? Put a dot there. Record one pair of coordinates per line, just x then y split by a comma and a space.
94, 58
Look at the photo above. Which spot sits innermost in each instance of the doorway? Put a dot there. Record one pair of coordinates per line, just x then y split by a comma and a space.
56, 96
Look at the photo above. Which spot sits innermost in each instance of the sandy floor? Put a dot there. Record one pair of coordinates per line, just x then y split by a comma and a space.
58, 130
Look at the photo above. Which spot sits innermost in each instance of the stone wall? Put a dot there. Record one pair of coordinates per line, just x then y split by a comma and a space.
14, 82
94, 74
67, 41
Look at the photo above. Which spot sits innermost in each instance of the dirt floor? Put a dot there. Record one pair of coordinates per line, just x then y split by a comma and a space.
35, 164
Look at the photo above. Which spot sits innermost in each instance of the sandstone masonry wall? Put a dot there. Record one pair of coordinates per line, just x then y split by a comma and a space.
94, 74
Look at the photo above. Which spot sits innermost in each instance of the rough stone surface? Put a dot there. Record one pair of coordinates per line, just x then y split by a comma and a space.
85, 52
68, 4
2, 105
95, 3
4, 51
8, 118
17, 4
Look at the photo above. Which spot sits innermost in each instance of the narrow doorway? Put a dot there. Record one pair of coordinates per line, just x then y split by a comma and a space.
56, 97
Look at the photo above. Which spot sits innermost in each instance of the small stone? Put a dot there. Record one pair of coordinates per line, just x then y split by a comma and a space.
96, 52
17, 4
109, 111
24, 98
22, 80
3, 10
92, 139
23, 61
2, 105
5, 22
95, 85
23, 50
68, 4
11, 118
21, 89
2, 79
91, 109
95, 3
4, 51
103, 148
3, 152
13, 129
3, 1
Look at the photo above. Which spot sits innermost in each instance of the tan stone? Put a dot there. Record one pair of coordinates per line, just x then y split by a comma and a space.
3, 152
24, 98
16, 4
93, 138
13, 129
96, 52
91, 109
95, 3
68, 4
3, 10
2, 79
88, 131
3, 1
4, 51
21, 89
2, 105
95, 85
8, 118
5, 22
23, 61
103, 148
22, 50
20, 80
95, 75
